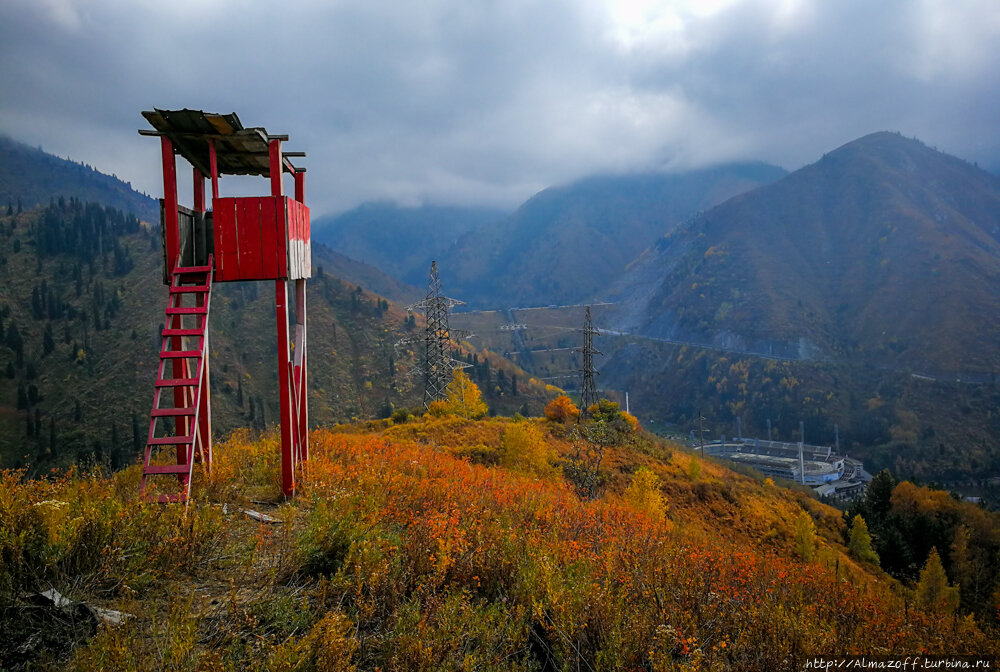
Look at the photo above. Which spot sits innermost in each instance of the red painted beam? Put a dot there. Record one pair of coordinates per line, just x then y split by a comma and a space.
300, 187
198, 190
274, 149
213, 163
170, 212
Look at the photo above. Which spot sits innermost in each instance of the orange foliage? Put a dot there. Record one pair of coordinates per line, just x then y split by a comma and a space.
561, 409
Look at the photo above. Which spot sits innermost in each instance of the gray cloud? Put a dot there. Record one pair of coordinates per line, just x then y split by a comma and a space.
466, 102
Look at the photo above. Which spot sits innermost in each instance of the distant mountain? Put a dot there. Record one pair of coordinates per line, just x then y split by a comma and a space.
568, 243
870, 283
884, 250
32, 178
398, 240
365, 275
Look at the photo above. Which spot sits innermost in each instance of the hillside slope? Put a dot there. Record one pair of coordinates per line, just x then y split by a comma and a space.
884, 250
400, 553
81, 307
32, 177
565, 244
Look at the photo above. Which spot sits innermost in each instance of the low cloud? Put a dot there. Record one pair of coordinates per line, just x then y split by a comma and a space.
485, 103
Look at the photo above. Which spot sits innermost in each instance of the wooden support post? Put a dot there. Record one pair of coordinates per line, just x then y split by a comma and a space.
289, 433
274, 149
284, 389
300, 187
170, 213
213, 164
198, 190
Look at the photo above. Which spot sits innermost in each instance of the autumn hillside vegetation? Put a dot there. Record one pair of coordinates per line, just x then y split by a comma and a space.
448, 542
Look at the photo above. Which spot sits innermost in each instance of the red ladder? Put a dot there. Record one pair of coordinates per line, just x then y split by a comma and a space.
184, 369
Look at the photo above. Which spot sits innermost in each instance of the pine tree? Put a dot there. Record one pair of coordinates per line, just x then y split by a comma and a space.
860, 543
963, 573
48, 341
932, 591
136, 435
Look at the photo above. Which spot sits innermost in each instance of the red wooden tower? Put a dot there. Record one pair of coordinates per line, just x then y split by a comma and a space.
246, 238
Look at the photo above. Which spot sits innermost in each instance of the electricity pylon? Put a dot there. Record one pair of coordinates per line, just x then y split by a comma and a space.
438, 365
588, 391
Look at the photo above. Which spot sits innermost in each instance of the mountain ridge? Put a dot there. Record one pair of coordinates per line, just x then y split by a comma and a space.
584, 234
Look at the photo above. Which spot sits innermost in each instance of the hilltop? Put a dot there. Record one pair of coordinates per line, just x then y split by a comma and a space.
447, 542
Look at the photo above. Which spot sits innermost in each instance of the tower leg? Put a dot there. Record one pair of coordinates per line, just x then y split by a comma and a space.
301, 386
284, 390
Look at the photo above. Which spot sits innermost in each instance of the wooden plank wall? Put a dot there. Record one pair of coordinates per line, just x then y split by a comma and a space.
265, 238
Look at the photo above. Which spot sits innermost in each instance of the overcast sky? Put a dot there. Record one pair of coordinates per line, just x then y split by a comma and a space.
467, 102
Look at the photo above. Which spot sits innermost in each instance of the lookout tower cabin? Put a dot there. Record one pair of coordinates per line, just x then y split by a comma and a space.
224, 240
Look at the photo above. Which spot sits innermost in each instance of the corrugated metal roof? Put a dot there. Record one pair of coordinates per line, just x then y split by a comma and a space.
238, 150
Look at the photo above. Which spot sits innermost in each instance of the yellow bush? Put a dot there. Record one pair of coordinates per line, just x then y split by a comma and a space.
643, 494
464, 398
524, 448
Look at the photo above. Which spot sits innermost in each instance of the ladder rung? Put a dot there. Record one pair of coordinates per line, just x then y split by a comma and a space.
180, 354
183, 332
188, 270
177, 382
185, 289
171, 412
196, 310
170, 440
167, 469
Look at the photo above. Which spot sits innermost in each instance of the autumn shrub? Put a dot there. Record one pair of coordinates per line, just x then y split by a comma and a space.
561, 410
524, 447
413, 558
323, 545
464, 398
643, 494
438, 408
329, 646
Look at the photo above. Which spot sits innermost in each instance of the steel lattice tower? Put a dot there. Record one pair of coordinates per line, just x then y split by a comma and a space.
588, 391
438, 364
